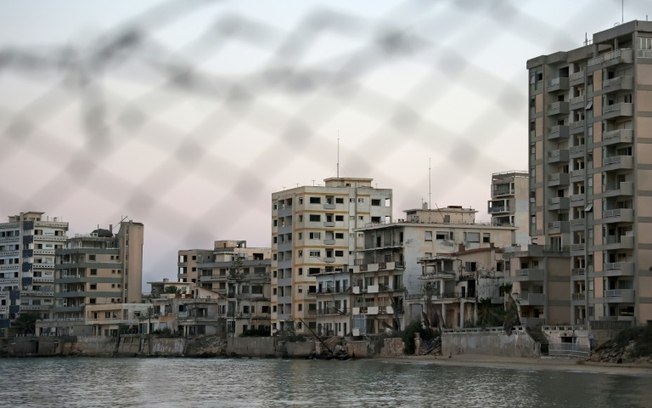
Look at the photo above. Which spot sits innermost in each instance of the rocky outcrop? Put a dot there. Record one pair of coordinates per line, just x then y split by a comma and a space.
630, 346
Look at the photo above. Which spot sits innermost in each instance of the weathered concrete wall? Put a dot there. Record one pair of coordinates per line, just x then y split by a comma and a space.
357, 349
95, 346
392, 347
251, 346
299, 349
166, 347
493, 342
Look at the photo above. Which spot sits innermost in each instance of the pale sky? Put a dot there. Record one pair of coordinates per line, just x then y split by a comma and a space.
186, 116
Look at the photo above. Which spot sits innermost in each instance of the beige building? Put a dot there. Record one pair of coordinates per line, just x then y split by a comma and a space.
27, 246
187, 264
394, 267
241, 276
313, 242
509, 204
590, 144
100, 268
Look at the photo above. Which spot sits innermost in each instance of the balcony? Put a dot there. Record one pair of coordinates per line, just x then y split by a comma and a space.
617, 242
625, 188
558, 108
558, 203
578, 247
9, 281
576, 224
36, 293
618, 136
576, 78
617, 84
618, 215
558, 132
556, 156
558, 227
618, 269
578, 272
558, 84
617, 110
558, 179
577, 175
577, 151
617, 163
380, 266
498, 206
577, 200
619, 295
531, 299
500, 190
579, 297
529, 275
611, 58
576, 127
577, 102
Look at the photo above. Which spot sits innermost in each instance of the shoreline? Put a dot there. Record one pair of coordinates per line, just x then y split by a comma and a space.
527, 363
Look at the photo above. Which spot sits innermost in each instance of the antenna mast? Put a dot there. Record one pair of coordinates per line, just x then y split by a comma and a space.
338, 153
429, 182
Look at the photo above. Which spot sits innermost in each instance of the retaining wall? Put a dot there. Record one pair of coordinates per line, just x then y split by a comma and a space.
490, 342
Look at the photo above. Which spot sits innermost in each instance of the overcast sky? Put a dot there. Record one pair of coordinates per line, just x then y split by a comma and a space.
186, 116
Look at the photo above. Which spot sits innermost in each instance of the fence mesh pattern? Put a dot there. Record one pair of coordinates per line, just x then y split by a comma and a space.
187, 115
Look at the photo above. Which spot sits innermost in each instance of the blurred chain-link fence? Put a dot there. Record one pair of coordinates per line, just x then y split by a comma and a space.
187, 116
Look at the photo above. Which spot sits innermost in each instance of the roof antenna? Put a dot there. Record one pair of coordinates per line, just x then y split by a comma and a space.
338, 153
429, 182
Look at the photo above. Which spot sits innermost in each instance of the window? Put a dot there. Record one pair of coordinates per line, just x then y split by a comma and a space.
339, 218
315, 253
339, 235
339, 253
300, 307
315, 200
314, 235
315, 217
339, 200
486, 237
472, 237
428, 235
91, 257
93, 271
375, 202
441, 235
300, 271
93, 286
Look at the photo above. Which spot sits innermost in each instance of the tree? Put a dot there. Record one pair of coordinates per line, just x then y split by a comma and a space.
26, 323
170, 289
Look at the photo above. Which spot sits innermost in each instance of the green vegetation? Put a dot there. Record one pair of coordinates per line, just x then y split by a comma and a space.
260, 332
25, 323
171, 289
642, 338
426, 333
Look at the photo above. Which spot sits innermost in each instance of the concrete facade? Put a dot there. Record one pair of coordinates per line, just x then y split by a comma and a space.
313, 241
397, 258
590, 165
27, 246
509, 203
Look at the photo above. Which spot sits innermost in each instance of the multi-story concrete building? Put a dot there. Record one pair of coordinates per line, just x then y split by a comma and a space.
96, 269
27, 245
509, 203
313, 242
187, 264
590, 164
241, 277
397, 260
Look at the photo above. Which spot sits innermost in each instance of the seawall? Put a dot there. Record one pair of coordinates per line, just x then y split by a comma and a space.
490, 342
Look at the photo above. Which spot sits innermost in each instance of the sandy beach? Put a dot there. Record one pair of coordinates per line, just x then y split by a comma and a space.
523, 363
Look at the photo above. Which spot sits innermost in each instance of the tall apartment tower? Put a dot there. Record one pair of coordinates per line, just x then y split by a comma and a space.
509, 204
313, 244
27, 244
590, 164
95, 269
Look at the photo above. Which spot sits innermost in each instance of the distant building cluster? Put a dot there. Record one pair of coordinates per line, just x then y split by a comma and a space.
568, 239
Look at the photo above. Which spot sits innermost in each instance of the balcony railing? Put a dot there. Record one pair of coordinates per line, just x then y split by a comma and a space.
617, 136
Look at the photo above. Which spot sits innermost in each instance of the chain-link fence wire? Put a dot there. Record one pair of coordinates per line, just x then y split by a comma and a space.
191, 137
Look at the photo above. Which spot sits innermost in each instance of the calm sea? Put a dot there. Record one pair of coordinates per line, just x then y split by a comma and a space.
132, 382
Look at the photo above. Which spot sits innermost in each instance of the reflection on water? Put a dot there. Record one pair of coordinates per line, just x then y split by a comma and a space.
81, 382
